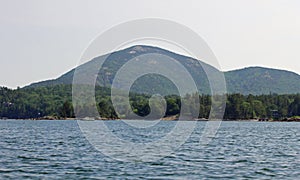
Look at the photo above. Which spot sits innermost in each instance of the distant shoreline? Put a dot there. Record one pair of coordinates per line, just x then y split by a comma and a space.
171, 118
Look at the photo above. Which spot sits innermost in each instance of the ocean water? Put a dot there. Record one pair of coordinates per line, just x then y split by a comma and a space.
240, 150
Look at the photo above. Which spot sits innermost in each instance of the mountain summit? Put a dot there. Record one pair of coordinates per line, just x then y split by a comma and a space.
252, 80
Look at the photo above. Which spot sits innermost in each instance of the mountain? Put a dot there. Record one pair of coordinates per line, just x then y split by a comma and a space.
252, 80
259, 80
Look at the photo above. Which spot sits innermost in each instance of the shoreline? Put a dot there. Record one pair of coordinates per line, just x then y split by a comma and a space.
170, 118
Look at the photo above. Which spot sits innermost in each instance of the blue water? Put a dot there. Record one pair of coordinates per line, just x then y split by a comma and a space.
241, 150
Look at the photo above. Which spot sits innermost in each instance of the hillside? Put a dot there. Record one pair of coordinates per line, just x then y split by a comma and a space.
258, 80
252, 80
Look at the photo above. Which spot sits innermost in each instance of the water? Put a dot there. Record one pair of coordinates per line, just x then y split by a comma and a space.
241, 150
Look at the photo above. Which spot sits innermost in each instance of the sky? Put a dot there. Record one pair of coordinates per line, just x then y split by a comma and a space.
42, 40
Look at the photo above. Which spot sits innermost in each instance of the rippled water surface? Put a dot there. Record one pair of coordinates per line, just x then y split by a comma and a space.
241, 150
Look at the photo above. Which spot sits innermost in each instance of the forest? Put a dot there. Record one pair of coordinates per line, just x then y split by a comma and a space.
56, 101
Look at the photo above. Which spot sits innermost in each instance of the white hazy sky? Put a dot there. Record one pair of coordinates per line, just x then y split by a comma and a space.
41, 40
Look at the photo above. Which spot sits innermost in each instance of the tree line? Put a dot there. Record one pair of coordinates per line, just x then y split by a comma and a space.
56, 101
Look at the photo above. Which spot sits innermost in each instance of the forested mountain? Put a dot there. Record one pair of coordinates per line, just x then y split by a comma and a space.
253, 92
252, 80
258, 80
